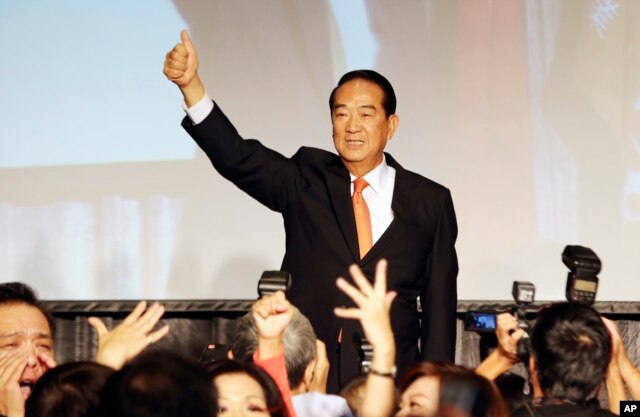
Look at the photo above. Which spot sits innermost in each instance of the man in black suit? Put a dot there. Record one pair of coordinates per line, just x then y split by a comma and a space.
412, 220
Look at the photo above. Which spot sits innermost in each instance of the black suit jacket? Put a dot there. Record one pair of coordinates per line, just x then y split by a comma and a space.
312, 191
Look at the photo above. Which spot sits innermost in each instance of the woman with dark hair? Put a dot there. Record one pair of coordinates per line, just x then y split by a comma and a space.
245, 389
69, 390
429, 386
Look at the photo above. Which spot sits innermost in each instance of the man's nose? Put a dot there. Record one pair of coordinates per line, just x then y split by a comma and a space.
32, 355
353, 124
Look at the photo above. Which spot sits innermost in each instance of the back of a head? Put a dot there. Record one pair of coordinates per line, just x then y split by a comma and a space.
21, 293
353, 392
299, 344
572, 349
159, 384
472, 394
69, 390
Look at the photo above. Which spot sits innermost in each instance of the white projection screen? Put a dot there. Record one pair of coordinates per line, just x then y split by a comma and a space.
528, 110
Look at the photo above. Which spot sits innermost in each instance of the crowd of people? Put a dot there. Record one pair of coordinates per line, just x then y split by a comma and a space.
277, 366
356, 207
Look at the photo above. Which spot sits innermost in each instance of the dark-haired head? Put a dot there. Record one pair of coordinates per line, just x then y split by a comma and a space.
571, 348
71, 390
159, 384
233, 379
429, 385
472, 394
21, 293
388, 94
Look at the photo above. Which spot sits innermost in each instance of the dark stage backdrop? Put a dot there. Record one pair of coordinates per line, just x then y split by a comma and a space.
194, 324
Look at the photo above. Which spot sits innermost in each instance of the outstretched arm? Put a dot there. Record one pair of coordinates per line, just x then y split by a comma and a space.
130, 337
373, 306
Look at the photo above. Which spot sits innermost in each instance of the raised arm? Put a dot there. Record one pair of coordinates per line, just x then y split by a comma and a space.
181, 68
272, 314
504, 357
373, 305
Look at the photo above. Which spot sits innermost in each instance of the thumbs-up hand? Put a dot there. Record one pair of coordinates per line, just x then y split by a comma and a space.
181, 68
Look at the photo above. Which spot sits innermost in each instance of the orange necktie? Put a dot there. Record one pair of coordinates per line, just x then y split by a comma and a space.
363, 218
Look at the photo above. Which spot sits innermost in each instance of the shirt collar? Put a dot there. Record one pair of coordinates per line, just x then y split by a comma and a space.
377, 177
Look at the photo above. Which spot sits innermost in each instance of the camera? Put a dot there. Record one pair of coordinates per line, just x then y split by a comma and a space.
480, 321
485, 321
582, 280
214, 352
272, 281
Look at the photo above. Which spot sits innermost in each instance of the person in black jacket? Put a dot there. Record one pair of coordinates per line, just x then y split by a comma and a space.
413, 221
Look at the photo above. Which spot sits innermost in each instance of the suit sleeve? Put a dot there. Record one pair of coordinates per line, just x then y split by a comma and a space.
439, 292
264, 174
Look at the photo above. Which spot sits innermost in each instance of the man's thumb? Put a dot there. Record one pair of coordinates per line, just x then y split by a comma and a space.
186, 41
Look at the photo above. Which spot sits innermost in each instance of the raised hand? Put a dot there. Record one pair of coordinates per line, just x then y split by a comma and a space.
272, 314
373, 303
508, 334
181, 68
130, 337
373, 306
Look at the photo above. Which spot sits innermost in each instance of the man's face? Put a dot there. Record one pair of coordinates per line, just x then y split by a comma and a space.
24, 335
361, 128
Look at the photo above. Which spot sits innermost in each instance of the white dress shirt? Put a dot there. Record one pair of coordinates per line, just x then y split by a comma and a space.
378, 196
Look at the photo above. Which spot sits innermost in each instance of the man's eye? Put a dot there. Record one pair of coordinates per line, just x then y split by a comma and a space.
9, 346
44, 347
221, 409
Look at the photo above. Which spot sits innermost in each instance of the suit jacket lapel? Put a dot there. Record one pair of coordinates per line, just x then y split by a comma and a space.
339, 190
403, 204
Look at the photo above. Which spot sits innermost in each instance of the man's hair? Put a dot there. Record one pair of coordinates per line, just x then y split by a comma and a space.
299, 344
21, 293
388, 95
572, 349
159, 384
72, 390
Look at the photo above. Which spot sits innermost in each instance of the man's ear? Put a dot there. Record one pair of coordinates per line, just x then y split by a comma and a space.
392, 124
230, 354
308, 374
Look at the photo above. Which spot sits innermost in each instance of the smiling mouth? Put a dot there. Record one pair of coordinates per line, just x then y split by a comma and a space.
355, 142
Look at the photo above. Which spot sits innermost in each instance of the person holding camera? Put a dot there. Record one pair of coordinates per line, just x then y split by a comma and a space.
570, 354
